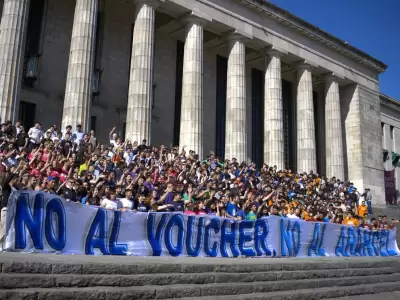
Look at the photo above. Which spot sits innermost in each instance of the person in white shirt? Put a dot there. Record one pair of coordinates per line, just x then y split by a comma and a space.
67, 130
17, 127
113, 135
128, 156
35, 135
294, 214
77, 135
111, 203
126, 204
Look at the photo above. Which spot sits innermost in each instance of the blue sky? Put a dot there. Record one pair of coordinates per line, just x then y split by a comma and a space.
373, 26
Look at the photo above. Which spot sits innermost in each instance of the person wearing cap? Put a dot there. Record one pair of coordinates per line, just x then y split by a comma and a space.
47, 138
66, 190
50, 185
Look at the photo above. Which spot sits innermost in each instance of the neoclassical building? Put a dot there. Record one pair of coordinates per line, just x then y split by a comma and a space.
240, 78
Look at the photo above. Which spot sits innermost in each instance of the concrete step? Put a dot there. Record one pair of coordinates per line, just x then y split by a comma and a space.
52, 266
385, 296
16, 280
384, 291
174, 291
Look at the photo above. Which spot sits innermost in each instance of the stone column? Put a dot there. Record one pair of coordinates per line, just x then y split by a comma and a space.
273, 112
138, 117
12, 48
236, 138
78, 90
306, 152
191, 129
333, 129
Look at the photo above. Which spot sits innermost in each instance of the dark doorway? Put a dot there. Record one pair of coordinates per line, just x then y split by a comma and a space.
257, 116
27, 112
180, 47
222, 69
123, 131
93, 121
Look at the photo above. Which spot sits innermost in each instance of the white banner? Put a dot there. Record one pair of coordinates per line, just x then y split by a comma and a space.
38, 222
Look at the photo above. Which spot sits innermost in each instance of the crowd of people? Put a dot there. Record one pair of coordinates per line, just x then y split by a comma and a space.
132, 176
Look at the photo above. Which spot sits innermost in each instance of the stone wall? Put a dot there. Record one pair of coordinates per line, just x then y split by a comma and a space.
363, 139
372, 143
390, 118
48, 93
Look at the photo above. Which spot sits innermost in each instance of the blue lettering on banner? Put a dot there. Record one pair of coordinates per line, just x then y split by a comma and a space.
115, 248
286, 238
156, 241
175, 221
229, 237
368, 250
24, 218
194, 251
261, 230
46, 223
55, 240
376, 242
245, 236
289, 240
382, 243
341, 244
216, 225
360, 242
97, 236
296, 235
317, 241
351, 241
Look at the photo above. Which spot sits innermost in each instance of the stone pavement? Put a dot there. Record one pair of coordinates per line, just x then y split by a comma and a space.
382, 296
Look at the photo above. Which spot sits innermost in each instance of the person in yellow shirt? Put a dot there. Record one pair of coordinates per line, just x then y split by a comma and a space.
350, 220
362, 209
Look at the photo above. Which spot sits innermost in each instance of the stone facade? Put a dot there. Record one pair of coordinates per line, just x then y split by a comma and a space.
137, 86
390, 132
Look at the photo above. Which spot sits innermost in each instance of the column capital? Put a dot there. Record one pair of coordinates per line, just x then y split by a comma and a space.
195, 17
304, 65
274, 52
331, 77
238, 35
152, 3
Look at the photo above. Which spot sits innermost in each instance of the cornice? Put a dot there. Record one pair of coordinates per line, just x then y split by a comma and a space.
389, 102
316, 33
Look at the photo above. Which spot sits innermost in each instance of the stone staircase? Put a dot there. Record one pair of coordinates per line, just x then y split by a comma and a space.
37, 276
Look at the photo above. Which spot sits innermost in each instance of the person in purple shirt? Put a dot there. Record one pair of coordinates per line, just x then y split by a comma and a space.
148, 184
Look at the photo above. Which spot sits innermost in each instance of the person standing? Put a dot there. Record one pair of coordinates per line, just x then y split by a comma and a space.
93, 139
368, 198
77, 135
35, 136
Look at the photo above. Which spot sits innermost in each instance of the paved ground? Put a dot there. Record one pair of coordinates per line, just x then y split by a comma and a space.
83, 259
383, 296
